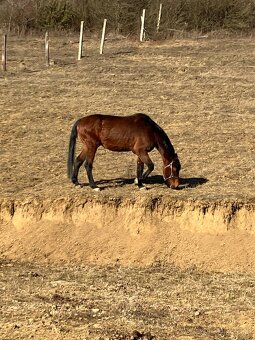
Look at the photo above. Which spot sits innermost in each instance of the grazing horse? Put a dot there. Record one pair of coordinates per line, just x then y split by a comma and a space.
137, 133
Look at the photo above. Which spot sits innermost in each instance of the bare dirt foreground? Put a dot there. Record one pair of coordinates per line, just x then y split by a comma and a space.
124, 263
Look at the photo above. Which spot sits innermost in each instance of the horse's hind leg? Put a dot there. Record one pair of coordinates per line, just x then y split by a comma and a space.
88, 167
77, 164
90, 155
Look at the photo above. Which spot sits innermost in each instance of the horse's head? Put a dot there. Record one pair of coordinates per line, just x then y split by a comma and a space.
171, 173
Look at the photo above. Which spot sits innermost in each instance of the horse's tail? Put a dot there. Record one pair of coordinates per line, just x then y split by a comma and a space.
71, 150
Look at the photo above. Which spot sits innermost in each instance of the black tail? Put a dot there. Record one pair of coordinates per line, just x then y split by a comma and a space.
71, 150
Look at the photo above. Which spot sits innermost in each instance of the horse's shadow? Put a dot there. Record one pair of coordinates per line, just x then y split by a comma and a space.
184, 182
192, 182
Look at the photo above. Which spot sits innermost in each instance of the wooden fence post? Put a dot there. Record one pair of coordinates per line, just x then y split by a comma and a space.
142, 34
4, 52
47, 49
81, 41
103, 37
159, 16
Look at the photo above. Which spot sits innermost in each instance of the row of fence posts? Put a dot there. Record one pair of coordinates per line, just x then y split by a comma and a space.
80, 51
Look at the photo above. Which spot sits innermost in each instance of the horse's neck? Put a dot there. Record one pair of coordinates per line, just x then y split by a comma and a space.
166, 150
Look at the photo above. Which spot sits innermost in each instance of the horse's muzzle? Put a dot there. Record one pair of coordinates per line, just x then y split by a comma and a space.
173, 183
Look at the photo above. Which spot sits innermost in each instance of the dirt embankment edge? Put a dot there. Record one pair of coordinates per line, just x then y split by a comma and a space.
101, 230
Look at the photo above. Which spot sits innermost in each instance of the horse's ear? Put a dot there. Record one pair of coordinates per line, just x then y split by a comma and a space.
176, 156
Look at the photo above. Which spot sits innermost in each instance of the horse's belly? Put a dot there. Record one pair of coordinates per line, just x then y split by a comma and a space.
116, 139
116, 147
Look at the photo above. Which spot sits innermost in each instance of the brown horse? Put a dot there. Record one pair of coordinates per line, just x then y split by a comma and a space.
137, 133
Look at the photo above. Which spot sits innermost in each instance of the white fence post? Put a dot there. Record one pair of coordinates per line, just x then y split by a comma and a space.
81, 41
142, 26
103, 37
4, 52
47, 49
159, 16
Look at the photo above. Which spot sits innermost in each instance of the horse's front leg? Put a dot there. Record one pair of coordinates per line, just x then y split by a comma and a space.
145, 158
139, 172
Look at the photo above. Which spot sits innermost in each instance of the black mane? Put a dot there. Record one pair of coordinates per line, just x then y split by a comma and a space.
165, 140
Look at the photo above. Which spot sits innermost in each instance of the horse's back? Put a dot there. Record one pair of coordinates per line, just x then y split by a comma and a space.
135, 124
101, 121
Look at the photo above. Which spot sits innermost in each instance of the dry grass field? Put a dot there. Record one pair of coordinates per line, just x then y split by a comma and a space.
113, 302
201, 91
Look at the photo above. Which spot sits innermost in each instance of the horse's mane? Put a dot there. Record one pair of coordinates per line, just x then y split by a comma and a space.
165, 141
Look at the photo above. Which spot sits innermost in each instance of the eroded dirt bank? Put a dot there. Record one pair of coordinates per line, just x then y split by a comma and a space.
99, 230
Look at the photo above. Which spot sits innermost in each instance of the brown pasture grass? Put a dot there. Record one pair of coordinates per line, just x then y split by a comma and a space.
201, 91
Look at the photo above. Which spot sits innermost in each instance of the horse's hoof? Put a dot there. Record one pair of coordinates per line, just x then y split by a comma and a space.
142, 188
96, 189
136, 181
